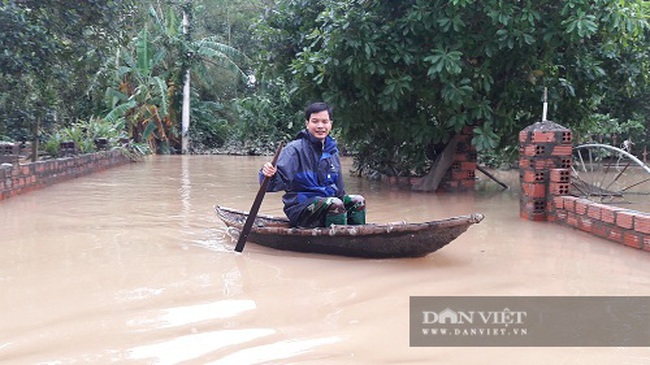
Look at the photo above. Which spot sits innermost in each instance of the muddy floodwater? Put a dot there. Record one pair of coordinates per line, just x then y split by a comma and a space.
131, 266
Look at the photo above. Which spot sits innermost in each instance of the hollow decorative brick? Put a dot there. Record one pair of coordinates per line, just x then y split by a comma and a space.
532, 176
534, 205
560, 175
556, 188
462, 175
565, 163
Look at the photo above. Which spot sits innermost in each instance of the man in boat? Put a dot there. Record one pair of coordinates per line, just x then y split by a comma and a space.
309, 171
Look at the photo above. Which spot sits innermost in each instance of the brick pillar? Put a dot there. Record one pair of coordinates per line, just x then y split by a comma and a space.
543, 147
558, 186
461, 176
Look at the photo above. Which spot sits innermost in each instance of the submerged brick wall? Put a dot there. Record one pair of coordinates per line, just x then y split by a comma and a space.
545, 177
624, 226
461, 176
21, 178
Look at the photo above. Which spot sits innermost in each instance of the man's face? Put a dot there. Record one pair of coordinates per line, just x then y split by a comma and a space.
319, 124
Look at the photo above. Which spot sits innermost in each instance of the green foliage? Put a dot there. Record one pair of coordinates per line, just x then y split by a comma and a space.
412, 73
51, 49
210, 127
142, 99
84, 133
268, 116
151, 70
603, 128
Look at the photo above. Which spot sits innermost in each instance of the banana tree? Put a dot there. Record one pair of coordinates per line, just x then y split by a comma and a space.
142, 97
152, 70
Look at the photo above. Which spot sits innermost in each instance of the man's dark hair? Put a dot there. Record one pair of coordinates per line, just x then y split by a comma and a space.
318, 107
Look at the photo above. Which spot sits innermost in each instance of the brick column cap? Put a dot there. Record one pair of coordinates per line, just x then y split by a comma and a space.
546, 125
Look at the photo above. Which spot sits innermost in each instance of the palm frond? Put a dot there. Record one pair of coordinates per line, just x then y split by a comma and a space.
143, 51
228, 64
162, 90
119, 111
148, 130
114, 96
224, 49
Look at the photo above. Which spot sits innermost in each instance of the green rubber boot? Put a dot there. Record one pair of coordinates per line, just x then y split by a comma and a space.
338, 219
357, 217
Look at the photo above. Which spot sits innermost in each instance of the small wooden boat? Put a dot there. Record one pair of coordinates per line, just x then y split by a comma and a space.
369, 240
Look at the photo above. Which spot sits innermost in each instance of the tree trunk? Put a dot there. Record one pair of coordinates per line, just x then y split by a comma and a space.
37, 131
443, 162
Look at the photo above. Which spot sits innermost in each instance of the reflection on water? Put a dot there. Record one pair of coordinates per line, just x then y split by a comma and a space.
194, 346
131, 265
194, 313
274, 352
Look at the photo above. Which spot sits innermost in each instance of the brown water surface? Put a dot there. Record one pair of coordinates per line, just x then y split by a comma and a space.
131, 266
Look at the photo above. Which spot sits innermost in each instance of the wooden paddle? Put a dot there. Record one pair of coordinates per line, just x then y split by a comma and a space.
243, 236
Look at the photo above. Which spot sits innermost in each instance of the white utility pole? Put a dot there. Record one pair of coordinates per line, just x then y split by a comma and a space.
185, 112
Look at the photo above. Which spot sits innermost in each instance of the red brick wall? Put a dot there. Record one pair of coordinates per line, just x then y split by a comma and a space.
545, 179
461, 176
21, 178
624, 226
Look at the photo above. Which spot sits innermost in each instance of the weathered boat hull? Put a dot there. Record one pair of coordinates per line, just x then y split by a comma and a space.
390, 240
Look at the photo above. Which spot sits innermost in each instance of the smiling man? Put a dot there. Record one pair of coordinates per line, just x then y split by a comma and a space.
309, 171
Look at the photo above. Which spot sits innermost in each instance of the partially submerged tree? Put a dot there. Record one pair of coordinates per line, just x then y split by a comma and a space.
404, 76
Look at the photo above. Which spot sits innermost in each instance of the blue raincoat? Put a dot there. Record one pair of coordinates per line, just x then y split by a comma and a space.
307, 168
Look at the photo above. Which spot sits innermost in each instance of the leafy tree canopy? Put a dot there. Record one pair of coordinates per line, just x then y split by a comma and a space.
404, 75
51, 51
